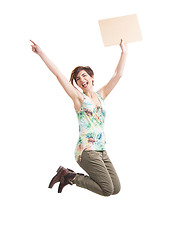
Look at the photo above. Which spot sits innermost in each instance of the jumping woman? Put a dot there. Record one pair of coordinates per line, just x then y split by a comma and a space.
90, 152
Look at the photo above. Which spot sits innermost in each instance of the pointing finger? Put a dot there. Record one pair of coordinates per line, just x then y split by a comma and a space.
33, 42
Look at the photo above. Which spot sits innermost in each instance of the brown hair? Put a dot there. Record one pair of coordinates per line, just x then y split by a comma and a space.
77, 70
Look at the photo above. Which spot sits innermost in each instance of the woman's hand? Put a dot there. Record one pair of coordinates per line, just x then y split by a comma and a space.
123, 47
36, 48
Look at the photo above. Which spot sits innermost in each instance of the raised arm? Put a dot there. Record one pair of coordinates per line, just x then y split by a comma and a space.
106, 89
70, 90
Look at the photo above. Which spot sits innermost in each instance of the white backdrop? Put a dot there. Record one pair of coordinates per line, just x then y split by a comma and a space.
145, 125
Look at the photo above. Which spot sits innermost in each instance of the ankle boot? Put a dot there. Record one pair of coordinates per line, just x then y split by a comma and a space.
67, 177
64, 176
57, 177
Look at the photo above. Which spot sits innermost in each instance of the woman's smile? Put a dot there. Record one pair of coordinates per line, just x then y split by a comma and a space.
85, 84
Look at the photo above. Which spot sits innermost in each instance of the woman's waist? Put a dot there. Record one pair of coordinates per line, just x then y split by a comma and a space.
90, 129
91, 133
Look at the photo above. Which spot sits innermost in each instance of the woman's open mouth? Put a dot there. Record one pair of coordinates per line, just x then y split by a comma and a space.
84, 85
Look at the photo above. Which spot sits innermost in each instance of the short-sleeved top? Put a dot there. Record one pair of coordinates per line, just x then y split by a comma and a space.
91, 120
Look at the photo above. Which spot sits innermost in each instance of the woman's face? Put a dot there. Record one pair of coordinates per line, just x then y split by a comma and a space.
84, 80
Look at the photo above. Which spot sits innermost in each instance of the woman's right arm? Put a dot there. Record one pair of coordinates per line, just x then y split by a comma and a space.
73, 92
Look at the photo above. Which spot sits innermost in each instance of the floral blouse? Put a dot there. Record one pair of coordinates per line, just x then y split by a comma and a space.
91, 127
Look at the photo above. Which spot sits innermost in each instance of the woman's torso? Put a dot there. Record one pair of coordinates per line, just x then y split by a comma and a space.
91, 119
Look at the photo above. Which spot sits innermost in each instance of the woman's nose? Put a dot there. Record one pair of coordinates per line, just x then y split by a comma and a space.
82, 79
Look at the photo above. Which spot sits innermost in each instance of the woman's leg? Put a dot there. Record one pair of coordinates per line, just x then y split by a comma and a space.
98, 180
112, 172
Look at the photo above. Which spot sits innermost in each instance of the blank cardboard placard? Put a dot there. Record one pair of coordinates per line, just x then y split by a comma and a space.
115, 29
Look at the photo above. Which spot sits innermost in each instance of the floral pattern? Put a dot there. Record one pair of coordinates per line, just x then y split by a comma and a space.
91, 127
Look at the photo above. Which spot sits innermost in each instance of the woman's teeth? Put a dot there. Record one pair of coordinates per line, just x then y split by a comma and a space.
85, 84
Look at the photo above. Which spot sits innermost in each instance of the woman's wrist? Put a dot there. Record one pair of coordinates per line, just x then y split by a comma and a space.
41, 54
123, 53
124, 47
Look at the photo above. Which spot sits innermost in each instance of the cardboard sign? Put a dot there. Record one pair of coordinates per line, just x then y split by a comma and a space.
115, 29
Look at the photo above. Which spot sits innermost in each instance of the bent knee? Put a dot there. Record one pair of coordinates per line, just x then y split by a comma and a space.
117, 187
111, 190
116, 190
108, 191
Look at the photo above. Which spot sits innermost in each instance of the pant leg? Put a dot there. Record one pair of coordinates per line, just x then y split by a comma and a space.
112, 172
98, 179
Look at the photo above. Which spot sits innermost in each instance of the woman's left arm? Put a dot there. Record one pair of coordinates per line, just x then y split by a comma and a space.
105, 90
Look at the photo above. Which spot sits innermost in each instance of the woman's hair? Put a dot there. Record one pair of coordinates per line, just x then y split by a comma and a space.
77, 70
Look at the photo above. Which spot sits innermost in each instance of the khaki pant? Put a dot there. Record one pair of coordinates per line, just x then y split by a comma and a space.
102, 177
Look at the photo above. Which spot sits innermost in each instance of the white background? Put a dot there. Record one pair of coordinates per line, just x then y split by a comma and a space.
145, 125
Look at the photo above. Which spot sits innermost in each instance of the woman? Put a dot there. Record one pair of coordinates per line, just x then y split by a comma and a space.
90, 152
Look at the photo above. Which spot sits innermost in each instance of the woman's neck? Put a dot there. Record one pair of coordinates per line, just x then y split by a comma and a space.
90, 93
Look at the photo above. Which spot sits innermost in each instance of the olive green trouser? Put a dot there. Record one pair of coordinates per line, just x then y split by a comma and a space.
102, 177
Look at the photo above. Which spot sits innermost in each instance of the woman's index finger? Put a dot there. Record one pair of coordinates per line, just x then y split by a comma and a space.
33, 42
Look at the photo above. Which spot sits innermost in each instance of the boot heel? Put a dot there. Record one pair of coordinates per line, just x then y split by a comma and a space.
59, 168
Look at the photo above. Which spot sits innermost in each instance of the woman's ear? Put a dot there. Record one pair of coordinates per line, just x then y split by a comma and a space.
93, 80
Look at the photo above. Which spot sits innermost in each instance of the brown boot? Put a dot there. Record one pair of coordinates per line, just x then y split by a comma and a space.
64, 176
56, 178
67, 177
